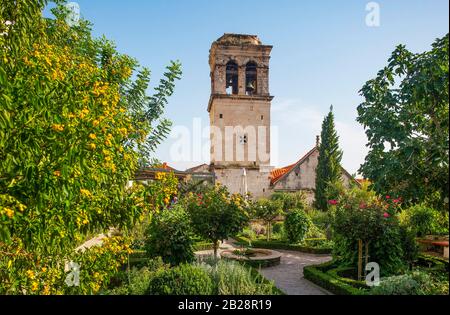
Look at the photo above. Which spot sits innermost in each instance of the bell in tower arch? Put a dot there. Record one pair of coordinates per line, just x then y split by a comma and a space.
250, 78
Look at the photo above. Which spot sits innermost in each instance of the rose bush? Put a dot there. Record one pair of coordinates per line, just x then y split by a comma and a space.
360, 215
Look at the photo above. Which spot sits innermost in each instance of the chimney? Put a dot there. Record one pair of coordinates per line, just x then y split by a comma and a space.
317, 141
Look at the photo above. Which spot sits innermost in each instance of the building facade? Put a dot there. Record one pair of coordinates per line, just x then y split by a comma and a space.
239, 113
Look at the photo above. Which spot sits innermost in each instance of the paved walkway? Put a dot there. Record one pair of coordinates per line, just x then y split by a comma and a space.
288, 275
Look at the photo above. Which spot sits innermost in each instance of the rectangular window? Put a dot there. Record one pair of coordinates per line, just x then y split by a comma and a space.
220, 115
262, 117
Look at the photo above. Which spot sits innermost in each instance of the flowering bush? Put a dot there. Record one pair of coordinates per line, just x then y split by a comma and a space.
74, 127
361, 215
217, 214
26, 272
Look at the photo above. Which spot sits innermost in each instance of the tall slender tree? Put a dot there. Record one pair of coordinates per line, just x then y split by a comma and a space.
328, 169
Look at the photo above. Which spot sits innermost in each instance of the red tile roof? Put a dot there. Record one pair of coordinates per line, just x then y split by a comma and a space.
278, 173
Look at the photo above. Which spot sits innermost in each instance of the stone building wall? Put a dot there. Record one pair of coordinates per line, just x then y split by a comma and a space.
257, 181
253, 116
303, 177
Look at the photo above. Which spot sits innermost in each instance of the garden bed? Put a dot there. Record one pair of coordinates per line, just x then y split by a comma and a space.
341, 280
277, 244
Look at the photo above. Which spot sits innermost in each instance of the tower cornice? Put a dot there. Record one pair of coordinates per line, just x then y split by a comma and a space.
238, 97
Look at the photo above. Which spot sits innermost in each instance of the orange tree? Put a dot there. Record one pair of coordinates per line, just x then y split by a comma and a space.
74, 126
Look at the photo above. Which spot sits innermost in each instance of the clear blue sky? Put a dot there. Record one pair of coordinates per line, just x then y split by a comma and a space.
323, 53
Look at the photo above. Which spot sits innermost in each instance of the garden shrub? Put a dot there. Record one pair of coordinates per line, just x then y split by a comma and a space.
278, 228
412, 283
296, 225
232, 278
136, 280
249, 233
217, 215
169, 236
295, 200
424, 220
184, 279
139, 280
315, 232
359, 215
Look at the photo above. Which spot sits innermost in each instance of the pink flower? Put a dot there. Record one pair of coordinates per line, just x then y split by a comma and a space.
332, 202
396, 200
388, 197
362, 206
386, 215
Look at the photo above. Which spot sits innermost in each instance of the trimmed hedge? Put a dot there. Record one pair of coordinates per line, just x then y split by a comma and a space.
432, 262
281, 245
338, 274
318, 274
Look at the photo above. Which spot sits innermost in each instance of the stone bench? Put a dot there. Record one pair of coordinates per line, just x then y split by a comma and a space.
443, 244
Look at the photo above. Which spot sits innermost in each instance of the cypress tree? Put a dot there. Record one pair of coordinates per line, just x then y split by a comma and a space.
328, 169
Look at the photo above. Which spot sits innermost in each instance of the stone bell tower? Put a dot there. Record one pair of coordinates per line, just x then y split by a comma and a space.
239, 111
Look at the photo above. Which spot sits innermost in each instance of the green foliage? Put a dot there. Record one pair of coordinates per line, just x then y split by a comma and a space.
320, 218
136, 280
322, 221
232, 278
248, 233
315, 232
169, 236
423, 219
278, 228
216, 215
359, 215
139, 280
406, 118
184, 279
318, 274
295, 200
73, 122
296, 225
329, 162
267, 211
313, 246
411, 283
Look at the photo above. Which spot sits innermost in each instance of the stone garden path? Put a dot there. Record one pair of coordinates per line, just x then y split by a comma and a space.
288, 275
